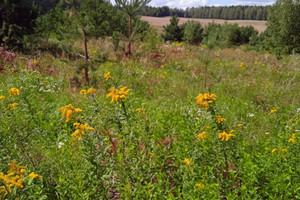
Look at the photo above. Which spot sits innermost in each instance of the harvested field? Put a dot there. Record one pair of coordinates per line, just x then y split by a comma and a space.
159, 22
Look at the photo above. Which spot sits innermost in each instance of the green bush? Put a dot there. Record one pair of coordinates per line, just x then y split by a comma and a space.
228, 35
17, 19
283, 27
193, 32
173, 32
151, 41
246, 33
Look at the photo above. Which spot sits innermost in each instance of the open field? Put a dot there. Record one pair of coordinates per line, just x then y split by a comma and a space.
184, 123
159, 22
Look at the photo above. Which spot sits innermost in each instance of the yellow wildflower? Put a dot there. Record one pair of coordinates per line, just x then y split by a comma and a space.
107, 76
140, 110
280, 152
2, 97
255, 63
35, 61
225, 136
83, 92
187, 161
13, 178
68, 111
3, 191
204, 100
14, 92
15, 168
116, 94
273, 111
91, 91
242, 64
34, 176
293, 139
220, 119
202, 136
13, 106
199, 185
239, 125
80, 130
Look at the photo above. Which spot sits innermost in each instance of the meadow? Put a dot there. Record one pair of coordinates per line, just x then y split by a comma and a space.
185, 123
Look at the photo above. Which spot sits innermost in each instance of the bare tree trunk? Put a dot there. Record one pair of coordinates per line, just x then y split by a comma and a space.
128, 48
86, 68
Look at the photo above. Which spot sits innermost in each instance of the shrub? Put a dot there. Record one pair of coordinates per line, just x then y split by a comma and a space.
17, 19
246, 33
283, 27
193, 32
227, 35
152, 40
173, 32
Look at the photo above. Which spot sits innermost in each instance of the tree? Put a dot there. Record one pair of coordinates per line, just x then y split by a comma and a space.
173, 32
130, 8
284, 27
193, 32
90, 18
17, 19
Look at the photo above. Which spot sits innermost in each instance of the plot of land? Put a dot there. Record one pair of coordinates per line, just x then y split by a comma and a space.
159, 22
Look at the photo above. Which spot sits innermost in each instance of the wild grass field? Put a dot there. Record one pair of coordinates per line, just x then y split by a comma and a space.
159, 22
185, 123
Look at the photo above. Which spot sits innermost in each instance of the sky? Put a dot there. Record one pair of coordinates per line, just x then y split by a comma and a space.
195, 3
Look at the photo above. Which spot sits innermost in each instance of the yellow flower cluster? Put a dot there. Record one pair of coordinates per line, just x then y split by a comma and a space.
202, 136
199, 185
2, 97
68, 111
204, 100
280, 152
273, 111
226, 136
292, 139
34, 176
13, 106
163, 75
187, 161
80, 130
140, 110
242, 65
116, 94
14, 92
220, 119
107, 76
89, 91
13, 178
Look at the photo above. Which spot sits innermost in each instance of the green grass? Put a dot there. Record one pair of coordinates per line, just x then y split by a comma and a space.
132, 155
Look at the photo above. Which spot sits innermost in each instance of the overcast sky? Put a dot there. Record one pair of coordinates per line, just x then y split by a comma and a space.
196, 3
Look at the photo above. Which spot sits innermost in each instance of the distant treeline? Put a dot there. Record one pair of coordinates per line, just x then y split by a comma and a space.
225, 12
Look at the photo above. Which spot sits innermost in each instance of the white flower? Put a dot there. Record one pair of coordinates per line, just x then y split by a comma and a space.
250, 115
60, 144
267, 133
